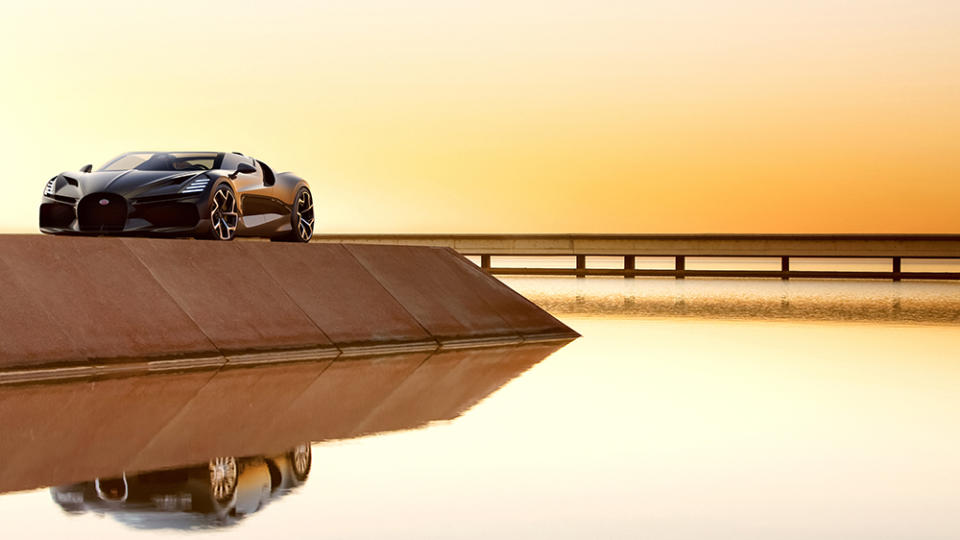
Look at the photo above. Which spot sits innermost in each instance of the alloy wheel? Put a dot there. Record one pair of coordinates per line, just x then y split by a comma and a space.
223, 214
223, 477
304, 216
301, 460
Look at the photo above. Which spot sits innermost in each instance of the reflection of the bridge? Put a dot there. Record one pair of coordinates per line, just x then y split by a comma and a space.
223, 443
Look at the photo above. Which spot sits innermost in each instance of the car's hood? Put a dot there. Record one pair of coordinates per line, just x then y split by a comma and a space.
131, 183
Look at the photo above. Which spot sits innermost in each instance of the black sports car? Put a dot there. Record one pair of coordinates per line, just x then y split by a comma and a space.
217, 195
222, 490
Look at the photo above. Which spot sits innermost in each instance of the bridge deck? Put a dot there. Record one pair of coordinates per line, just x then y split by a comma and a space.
895, 247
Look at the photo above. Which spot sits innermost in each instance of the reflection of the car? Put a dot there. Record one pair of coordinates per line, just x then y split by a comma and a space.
173, 422
223, 489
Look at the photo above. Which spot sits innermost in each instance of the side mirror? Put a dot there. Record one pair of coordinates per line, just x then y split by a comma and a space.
244, 168
86, 168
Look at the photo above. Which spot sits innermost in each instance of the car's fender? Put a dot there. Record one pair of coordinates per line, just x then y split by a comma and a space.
288, 184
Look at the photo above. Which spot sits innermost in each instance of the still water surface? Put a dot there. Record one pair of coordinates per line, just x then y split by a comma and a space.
688, 410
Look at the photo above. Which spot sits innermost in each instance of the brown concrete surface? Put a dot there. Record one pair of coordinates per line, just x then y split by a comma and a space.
442, 301
71, 301
70, 432
66, 299
236, 303
31, 334
522, 315
339, 295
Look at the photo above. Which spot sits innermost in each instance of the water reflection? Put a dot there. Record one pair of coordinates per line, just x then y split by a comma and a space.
214, 493
809, 300
201, 449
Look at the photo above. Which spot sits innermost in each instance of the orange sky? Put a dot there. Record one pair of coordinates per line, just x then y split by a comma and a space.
538, 116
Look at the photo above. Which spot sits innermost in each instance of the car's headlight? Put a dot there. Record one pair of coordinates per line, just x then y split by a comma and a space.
49, 189
197, 185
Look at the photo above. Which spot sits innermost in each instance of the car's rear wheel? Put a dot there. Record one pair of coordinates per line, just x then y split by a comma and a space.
301, 459
224, 217
301, 218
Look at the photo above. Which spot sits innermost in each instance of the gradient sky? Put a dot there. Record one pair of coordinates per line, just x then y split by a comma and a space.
521, 116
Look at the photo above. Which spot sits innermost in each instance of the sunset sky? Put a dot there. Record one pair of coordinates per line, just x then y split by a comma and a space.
519, 116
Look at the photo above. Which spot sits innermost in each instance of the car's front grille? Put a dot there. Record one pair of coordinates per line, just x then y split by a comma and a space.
102, 212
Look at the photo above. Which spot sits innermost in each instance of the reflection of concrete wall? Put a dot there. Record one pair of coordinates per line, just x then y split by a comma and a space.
92, 301
54, 434
71, 432
448, 384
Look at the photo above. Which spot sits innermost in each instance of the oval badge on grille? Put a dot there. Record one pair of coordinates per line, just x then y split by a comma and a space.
104, 202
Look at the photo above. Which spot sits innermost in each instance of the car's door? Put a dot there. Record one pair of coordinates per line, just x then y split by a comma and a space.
247, 186
262, 209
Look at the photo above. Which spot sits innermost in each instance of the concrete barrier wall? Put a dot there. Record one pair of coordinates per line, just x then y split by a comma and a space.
340, 295
68, 300
443, 299
228, 294
90, 306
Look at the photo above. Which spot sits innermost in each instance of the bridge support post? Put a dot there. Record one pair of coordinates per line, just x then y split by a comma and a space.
581, 265
785, 267
681, 267
629, 263
485, 262
896, 268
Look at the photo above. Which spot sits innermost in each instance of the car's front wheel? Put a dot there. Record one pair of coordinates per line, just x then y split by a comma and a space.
223, 478
223, 214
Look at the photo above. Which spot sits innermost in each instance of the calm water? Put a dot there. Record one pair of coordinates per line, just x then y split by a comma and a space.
689, 409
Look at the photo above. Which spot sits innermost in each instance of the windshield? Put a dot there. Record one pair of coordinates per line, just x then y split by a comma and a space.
165, 161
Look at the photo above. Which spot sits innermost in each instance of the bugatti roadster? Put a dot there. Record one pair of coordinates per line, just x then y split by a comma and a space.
218, 195
221, 490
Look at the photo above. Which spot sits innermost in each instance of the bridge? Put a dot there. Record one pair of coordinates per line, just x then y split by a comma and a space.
783, 248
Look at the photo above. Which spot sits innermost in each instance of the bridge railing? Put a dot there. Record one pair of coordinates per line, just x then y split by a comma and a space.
784, 248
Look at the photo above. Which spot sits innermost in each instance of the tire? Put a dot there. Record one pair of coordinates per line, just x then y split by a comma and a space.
301, 218
224, 474
223, 214
301, 459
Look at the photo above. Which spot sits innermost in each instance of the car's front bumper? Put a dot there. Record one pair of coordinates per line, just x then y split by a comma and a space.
107, 213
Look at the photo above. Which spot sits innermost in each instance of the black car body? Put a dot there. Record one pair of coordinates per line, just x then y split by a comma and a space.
218, 195
214, 493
